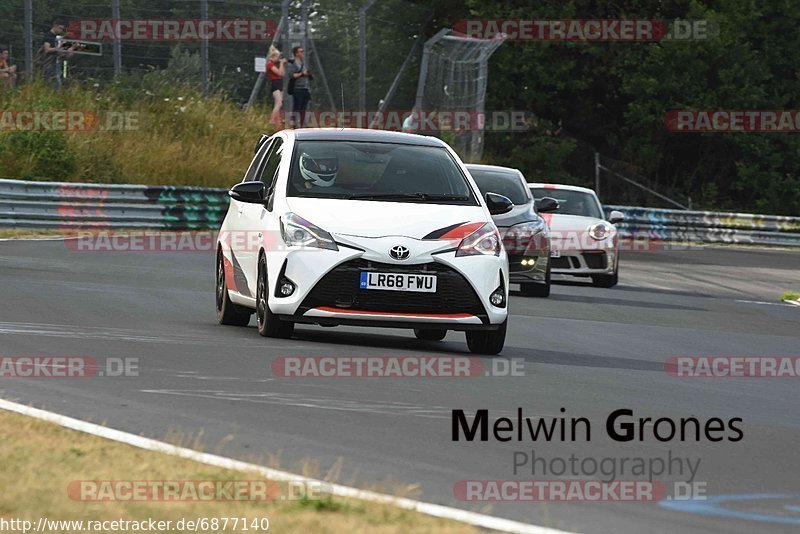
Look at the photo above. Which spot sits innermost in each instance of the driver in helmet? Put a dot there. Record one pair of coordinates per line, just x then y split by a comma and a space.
318, 171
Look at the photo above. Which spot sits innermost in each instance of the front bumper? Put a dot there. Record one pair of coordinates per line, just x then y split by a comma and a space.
328, 293
527, 248
585, 263
525, 274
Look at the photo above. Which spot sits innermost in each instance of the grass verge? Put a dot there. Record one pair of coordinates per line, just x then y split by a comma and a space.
164, 135
21, 233
790, 295
41, 459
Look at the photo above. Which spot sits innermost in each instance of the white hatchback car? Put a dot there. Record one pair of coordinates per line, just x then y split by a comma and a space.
582, 241
366, 228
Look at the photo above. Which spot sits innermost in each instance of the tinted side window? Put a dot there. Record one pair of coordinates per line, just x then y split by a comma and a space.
257, 162
270, 171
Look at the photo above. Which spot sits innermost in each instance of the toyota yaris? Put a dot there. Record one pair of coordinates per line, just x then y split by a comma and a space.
365, 228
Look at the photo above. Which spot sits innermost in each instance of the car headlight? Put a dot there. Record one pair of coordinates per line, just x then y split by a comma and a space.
521, 236
484, 241
298, 232
529, 228
599, 231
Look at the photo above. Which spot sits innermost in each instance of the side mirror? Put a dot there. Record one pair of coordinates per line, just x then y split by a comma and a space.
615, 217
547, 205
250, 192
498, 204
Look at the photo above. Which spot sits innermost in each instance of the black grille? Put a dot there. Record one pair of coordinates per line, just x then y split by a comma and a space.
340, 288
560, 263
595, 260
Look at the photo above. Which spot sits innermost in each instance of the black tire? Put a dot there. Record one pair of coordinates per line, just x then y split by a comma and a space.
228, 313
434, 334
488, 342
605, 280
269, 325
536, 289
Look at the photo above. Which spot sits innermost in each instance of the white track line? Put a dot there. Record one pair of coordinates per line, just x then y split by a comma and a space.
436, 510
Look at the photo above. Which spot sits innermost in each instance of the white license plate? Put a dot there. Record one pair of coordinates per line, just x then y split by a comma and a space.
555, 253
421, 283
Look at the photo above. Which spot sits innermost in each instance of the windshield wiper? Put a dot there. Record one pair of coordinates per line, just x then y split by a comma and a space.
409, 196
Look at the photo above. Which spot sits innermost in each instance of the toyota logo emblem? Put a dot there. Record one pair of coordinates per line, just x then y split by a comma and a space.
399, 253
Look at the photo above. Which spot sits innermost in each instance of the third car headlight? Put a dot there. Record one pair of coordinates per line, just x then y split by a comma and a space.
298, 232
599, 231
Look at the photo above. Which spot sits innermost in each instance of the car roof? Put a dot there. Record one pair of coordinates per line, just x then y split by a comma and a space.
564, 187
364, 135
478, 167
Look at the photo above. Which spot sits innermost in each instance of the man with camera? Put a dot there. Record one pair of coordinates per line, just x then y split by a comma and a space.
53, 53
298, 86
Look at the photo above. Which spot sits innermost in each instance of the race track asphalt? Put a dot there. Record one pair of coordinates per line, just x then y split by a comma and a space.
588, 350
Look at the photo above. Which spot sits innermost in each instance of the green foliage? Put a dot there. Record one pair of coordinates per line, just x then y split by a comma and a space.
179, 137
32, 154
612, 98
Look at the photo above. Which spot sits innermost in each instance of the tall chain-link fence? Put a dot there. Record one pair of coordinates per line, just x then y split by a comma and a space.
350, 44
453, 78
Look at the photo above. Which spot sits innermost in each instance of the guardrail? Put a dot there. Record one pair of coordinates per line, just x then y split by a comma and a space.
55, 205
709, 226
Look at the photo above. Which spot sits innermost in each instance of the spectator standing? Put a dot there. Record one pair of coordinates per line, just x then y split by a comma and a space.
301, 91
52, 55
276, 70
8, 73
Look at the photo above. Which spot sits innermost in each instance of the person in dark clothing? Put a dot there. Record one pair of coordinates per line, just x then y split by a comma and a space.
53, 55
302, 93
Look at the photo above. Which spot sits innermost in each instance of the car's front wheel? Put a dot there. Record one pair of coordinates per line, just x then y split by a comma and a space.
228, 313
487, 342
269, 325
433, 334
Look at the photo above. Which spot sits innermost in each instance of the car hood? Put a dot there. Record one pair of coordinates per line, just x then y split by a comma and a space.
366, 218
570, 223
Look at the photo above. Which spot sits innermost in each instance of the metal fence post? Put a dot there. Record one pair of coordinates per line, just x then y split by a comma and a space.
362, 54
29, 39
597, 173
204, 49
117, 45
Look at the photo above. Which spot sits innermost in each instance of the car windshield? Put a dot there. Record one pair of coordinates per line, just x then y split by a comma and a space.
377, 171
571, 202
504, 183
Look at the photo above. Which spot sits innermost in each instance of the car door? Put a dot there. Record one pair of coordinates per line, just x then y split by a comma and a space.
238, 235
261, 228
